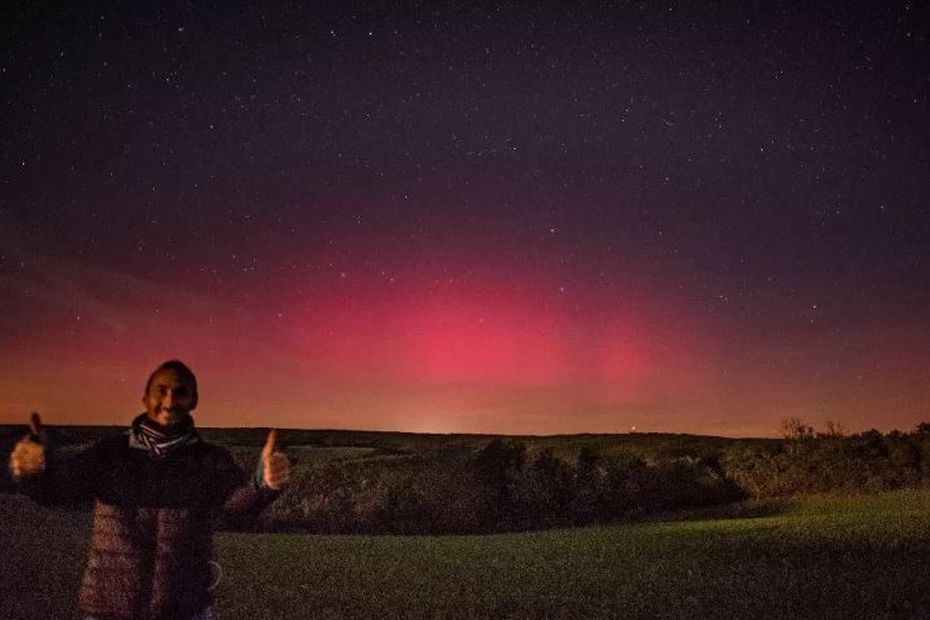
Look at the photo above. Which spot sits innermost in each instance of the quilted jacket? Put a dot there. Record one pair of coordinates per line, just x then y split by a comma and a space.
153, 522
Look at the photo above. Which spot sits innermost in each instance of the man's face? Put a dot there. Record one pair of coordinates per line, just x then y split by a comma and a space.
169, 399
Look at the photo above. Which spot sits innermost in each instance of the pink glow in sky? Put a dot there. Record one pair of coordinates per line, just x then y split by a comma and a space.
518, 354
526, 219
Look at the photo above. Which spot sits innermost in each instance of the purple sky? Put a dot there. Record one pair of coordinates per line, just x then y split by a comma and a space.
502, 218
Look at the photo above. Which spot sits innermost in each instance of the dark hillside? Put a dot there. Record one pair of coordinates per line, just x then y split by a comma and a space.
411, 483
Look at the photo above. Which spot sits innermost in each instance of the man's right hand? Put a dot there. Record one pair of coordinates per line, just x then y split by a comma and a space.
28, 456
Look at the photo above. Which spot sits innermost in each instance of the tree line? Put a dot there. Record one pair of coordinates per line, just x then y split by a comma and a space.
473, 484
831, 461
505, 486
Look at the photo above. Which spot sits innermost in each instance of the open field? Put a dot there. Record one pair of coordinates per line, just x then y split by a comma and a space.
861, 557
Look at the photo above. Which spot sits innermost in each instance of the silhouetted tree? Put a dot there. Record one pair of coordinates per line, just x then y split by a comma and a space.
496, 466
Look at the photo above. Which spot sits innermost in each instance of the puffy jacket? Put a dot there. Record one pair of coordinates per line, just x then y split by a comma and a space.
153, 522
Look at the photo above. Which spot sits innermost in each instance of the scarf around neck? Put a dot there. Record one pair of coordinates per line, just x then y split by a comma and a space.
161, 441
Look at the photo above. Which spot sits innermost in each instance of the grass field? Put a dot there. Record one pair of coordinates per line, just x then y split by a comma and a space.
862, 557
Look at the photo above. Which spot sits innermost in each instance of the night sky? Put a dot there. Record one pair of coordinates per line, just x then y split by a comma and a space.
494, 217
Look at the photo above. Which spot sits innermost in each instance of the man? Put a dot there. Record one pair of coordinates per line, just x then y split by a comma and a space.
158, 491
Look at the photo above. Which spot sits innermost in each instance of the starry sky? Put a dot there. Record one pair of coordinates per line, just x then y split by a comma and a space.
526, 218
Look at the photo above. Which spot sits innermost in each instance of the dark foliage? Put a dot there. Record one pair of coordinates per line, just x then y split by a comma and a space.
830, 462
396, 483
500, 488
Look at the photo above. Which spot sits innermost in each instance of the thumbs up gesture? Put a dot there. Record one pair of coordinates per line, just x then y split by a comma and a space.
276, 468
28, 456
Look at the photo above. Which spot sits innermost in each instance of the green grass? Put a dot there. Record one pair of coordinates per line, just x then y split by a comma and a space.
836, 557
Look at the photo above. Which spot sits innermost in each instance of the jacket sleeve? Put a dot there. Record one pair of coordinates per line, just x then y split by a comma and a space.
243, 497
69, 478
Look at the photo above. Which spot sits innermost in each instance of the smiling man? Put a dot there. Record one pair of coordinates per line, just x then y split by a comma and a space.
158, 491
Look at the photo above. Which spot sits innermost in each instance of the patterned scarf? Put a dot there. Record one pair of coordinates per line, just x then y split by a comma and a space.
159, 440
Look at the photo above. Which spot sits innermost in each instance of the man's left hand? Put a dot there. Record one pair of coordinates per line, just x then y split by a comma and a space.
276, 468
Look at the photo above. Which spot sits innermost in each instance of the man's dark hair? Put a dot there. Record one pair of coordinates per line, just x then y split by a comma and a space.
181, 369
